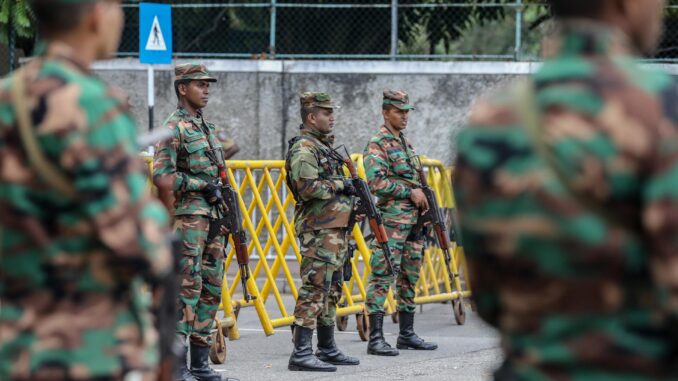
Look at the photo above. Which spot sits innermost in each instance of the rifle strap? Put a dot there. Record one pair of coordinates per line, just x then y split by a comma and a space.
408, 158
36, 158
530, 115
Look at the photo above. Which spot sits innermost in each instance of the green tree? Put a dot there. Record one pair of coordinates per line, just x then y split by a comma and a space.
21, 18
443, 23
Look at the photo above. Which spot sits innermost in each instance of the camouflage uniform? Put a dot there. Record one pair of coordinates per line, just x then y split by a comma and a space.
391, 176
72, 268
578, 292
321, 219
321, 215
185, 159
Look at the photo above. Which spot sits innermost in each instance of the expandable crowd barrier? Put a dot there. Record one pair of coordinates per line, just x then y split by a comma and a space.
267, 208
434, 285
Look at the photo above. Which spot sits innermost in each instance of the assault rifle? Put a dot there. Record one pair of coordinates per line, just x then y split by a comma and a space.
230, 220
365, 206
434, 215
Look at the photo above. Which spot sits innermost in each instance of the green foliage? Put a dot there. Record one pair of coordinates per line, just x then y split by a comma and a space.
443, 25
474, 27
21, 19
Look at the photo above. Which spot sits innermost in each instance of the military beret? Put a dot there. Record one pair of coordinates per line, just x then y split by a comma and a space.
397, 98
310, 99
192, 71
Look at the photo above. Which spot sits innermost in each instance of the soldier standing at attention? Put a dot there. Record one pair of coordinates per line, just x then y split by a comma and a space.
568, 190
190, 160
392, 177
323, 207
79, 231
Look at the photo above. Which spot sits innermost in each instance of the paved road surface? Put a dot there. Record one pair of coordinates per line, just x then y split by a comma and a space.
466, 353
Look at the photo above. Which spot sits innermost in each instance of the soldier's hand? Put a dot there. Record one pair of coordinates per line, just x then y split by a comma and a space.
224, 230
349, 189
419, 199
213, 193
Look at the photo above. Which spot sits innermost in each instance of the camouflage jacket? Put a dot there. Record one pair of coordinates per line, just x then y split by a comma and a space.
577, 293
71, 269
316, 180
185, 158
392, 176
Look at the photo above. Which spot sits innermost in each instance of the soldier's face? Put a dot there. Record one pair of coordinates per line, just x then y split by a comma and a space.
323, 120
110, 20
644, 23
396, 117
196, 93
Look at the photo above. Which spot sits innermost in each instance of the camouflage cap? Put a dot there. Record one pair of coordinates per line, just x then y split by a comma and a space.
310, 99
192, 71
398, 98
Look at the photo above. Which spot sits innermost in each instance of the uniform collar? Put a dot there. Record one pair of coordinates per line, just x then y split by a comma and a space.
580, 37
327, 139
387, 134
184, 114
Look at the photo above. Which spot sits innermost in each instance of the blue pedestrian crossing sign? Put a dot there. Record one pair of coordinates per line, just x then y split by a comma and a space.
155, 33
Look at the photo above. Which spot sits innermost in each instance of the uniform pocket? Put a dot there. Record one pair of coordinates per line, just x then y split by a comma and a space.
195, 143
311, 245
398, 161
196, 147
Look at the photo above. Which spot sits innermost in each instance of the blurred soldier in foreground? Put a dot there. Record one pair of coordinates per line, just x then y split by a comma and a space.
79, 233
191, 161
392, 177
324, 205
568, 188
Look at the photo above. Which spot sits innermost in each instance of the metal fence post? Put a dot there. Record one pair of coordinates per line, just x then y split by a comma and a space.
394, 29
11, 46
274, 16
519, 29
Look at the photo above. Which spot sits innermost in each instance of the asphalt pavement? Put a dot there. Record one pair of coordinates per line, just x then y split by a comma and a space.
467, 352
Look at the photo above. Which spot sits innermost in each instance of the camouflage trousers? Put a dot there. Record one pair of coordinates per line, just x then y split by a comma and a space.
201, 276
406, 256
324, 252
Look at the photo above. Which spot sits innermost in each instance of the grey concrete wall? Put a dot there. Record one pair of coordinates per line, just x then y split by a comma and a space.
259, 107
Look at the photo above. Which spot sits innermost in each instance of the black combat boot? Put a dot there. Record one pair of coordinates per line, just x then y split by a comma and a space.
407, 338
377, 345
328, 351
200, 365
183, 374
303, 358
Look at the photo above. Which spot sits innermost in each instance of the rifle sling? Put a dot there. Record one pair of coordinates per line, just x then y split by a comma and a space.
36, 158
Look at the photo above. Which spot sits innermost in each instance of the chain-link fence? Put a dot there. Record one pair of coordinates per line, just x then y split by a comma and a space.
367, 29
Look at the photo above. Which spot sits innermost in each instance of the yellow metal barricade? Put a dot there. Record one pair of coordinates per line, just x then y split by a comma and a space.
434, 285
267, 208
272, 238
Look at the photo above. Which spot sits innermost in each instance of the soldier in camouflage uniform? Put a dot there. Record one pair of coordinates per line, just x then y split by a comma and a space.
190, 160
392, 177
322, 212
567, 187
79, 231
